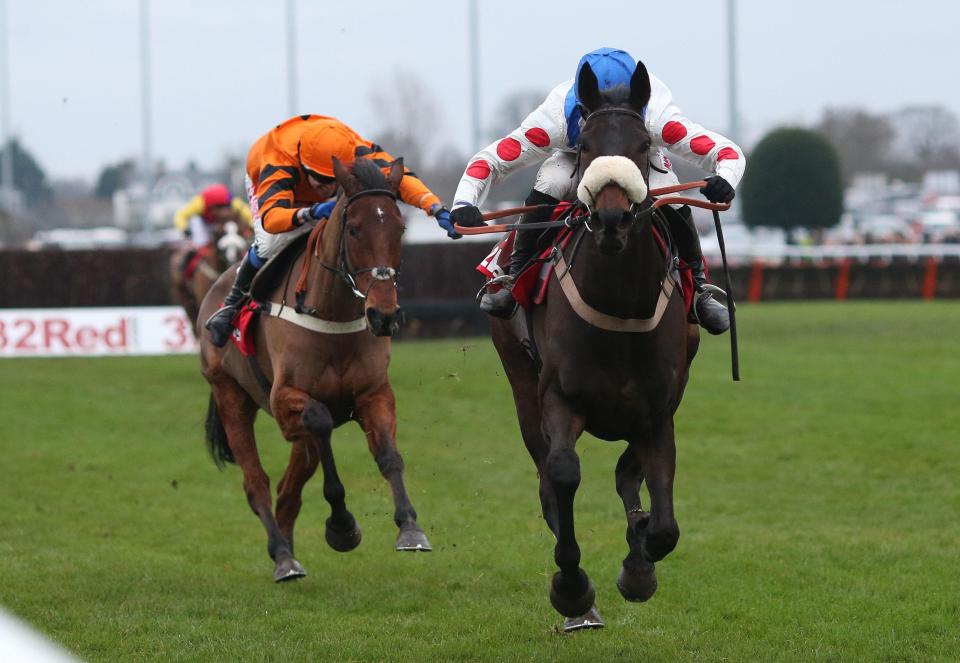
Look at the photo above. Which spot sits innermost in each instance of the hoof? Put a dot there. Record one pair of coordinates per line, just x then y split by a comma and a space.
342, 540
288, 569
577, 606
413, 539
590, 620
637, 585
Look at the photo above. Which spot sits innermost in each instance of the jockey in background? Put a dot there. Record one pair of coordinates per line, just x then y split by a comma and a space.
211, 207
550, 134
290, 182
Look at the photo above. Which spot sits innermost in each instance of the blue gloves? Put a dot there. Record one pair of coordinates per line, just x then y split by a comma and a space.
443, 218
322, 210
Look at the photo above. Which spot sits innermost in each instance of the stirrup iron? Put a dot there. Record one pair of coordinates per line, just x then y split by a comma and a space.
501, 280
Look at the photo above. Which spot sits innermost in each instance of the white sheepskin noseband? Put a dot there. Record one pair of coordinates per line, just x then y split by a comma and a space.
612, 170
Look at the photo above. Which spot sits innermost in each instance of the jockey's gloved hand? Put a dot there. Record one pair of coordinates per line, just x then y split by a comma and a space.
717, 190
322, 210
442, 216
468, 216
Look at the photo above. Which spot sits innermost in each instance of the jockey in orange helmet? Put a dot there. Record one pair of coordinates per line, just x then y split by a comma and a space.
290, 182
215, 204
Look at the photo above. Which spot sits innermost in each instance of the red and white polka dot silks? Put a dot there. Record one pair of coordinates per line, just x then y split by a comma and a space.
545, 130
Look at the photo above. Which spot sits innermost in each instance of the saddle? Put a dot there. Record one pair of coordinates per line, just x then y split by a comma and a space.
531, 285
270, 276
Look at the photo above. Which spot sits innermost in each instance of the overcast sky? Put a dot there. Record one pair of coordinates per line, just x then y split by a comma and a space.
219, 73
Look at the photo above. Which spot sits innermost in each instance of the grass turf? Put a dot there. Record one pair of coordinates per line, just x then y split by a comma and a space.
818, 504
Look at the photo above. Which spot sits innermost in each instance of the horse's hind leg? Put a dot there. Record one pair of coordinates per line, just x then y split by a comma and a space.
377, 416
238, 411
308, 425
651, 539
637, 580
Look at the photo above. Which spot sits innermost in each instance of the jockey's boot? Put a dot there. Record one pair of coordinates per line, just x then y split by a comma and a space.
220, 323
708, 312
501, 304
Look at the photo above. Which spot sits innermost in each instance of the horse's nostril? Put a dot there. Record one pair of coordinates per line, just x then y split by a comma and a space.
382, 324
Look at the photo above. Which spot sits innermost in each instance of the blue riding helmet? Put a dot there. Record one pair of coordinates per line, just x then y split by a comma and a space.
612, 67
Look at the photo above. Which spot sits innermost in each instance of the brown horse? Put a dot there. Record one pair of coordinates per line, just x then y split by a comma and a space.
323, 367
615, 349
226, 246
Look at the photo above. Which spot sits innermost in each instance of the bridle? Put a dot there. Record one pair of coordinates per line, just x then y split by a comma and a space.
344, 267
638, 211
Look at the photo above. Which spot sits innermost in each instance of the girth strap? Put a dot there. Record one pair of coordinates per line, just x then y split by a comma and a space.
604, 321
286, 312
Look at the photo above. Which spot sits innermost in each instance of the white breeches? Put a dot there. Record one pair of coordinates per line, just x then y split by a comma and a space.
199, 234
266, 244
554, 177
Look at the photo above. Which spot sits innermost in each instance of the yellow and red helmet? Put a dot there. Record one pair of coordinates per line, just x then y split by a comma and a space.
216, 195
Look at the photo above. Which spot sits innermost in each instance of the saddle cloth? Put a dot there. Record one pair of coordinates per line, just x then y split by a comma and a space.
242, 335
194, 260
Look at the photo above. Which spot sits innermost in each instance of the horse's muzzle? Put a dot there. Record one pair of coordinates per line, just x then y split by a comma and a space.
383, 324
612, 230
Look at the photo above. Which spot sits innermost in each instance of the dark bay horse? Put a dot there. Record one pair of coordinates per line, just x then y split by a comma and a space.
205, 264
324, 366
615, 350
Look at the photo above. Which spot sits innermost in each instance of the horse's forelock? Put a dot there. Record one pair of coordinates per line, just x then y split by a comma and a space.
615, 96
369, 174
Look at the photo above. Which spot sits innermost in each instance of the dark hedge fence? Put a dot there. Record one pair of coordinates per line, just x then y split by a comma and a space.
438, 282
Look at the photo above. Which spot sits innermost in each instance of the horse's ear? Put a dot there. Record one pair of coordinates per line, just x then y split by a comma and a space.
588, 88
396, 174
345, 178
639, 88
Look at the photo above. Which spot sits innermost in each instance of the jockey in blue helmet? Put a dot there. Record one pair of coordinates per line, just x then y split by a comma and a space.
549, 136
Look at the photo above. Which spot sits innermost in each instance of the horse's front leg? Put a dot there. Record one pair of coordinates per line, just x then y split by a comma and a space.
571, 591
377, 416
651, 536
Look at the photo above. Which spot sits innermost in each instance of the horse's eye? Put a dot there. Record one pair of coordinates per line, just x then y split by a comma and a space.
352, 231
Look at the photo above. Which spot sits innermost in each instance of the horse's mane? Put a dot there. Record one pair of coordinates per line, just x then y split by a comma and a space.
369, 174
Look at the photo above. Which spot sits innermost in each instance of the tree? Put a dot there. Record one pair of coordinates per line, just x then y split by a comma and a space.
792, 181
862, 140
409, 117
512, 110
112, 178
28, 176
928, 137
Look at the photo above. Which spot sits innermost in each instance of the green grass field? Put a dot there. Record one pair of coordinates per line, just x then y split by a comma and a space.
818, 502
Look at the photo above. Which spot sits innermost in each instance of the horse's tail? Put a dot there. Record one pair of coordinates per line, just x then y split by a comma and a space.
217, 437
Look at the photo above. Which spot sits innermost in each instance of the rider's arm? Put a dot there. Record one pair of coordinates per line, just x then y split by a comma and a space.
275, 195
195, 207
690, 141
412, 190
543, 130
242, 212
